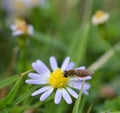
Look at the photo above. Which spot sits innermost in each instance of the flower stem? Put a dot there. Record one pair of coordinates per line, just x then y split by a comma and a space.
22, 43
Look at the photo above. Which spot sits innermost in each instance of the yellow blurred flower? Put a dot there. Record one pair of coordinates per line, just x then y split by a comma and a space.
100, 17
20, 27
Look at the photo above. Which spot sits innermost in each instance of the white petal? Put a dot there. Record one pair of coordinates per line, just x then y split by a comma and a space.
100, 20
70, 66
41, 90
34, 81
46, 94
40, 67
85, 92
17, 32
37, 76
75, 84
58, 96
85, 78
30, 30
78, 84
72, 92
53, 63
66, 96
86, 86
65, 63
13, 27
82, 68
75, 78
34, 76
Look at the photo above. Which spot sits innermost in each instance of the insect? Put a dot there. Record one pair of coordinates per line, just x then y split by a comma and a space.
78, 72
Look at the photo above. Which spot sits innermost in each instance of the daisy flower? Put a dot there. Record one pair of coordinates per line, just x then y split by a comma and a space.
54, 80
100, 17
20, 27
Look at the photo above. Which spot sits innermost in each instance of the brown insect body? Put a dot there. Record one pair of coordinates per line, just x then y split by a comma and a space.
78, 73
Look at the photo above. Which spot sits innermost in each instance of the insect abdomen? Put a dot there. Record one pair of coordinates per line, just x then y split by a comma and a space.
82, 73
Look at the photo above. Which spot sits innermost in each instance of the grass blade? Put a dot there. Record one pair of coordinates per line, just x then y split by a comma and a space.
10, 97
8, 81
77, 103
82, 104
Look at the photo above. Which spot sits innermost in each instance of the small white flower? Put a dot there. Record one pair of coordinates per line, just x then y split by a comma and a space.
100, 17
55, 81
20, 27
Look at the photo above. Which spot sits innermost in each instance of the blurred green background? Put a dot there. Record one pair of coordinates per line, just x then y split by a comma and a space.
61, 29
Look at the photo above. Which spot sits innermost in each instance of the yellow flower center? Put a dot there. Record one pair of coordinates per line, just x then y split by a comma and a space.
21, 25
99, 14
57, 79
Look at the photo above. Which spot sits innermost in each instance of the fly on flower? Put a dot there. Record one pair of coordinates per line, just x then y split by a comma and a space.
64, 87
77, 72
20, 27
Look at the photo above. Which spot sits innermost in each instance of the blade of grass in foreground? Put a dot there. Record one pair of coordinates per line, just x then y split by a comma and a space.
78, 101
10, 97
12, 79
8, 81
8, 100
82, 104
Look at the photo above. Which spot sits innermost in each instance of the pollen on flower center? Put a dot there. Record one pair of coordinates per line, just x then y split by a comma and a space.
57, 79
99, 14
